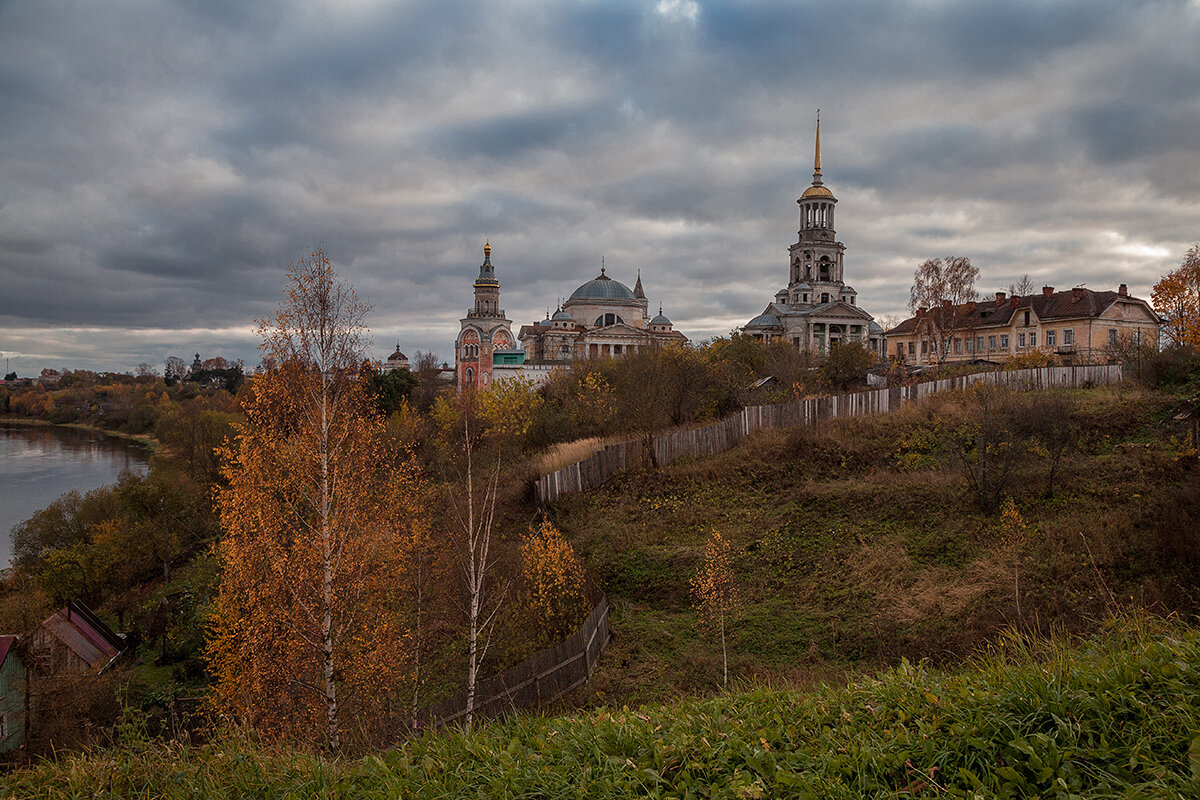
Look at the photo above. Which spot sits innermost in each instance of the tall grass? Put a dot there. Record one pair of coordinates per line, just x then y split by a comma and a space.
1114, 715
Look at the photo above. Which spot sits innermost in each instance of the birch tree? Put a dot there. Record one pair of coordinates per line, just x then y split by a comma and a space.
715, 590
942, 290
306, 631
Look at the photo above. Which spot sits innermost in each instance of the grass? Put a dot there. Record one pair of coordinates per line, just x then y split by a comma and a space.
1114, 715
561, 455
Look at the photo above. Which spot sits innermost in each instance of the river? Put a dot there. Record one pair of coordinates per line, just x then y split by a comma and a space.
40, 463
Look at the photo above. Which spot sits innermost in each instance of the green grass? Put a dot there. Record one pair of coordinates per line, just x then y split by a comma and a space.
1115, 715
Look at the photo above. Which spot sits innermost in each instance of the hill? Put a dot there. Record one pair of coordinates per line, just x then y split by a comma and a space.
860, 542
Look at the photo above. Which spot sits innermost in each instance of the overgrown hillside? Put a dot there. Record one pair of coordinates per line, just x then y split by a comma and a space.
860, 542
1113, 716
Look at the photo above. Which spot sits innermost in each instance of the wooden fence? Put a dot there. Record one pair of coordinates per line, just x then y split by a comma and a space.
540, 679
721, 436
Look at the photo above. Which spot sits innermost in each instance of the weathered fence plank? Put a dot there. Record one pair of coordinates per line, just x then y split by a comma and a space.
540, 679
721, 436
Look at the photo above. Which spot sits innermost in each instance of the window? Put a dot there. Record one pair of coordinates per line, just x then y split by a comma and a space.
608, 319
1033, 338
899, 348
806, 298
1004, 341
1137, 336
1112, 335
970, 345
1021, 339
957, 345
1026, 317
912, 348
991, 343
1068, 336
824, 297
924, 347
979, 344
1051, 338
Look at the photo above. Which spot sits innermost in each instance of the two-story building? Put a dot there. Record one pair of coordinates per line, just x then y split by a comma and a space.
1079, 326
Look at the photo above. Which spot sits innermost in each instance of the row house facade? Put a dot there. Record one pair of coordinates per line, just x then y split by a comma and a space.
1079, 326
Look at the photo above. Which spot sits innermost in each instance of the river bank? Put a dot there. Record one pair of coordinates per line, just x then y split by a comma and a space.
143, 439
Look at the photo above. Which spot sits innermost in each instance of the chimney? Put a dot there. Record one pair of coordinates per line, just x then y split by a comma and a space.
1123, 290
1047, 291
921, 311
999, 298
1076, 294
1014, 301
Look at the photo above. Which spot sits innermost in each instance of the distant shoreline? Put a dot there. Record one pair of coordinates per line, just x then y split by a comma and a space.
142, 439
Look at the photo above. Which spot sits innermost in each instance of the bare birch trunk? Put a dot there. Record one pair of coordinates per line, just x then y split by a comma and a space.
724, 655
473, 589
331, 708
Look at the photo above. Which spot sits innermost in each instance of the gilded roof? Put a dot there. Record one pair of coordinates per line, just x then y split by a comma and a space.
816, 191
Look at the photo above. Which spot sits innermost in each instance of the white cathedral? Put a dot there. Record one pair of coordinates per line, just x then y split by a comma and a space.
817, 309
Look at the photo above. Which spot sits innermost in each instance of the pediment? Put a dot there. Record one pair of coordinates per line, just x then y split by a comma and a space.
837, 310
618, 329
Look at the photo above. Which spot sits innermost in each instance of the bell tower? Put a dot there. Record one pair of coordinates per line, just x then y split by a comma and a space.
484, 330
817, 256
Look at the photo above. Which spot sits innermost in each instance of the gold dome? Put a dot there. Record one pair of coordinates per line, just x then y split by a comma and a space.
816, 191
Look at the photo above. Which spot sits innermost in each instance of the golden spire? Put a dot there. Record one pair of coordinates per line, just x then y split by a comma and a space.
817, 157
487, 244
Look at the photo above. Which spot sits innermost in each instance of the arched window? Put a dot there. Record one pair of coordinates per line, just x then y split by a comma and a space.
470, 376
824, 297
608, 319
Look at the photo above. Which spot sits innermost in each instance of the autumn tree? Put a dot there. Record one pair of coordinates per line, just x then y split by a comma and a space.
715, 591
1016, 533
1177, 298
307, 634
940, 295
990, 443
552, 581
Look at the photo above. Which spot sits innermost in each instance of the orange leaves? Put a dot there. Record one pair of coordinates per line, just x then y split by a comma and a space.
714, 586
1177, 297
715, 591
307, 633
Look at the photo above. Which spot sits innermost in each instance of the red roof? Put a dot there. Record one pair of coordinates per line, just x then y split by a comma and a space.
84, 634
6, 644
1071, 304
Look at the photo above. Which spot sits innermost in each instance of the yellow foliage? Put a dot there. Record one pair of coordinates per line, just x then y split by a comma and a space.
509, 407
553, 581
1015, 530
714, 587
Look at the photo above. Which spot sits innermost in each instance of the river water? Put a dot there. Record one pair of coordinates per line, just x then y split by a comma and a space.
38, 464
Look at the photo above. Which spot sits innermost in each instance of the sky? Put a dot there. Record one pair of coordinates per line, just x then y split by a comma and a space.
161, 163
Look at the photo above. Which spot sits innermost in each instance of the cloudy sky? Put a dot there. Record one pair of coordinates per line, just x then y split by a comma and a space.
162, 162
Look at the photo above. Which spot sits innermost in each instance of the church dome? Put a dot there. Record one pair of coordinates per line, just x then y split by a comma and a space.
816, 191
603, 287
661, 319
563, 316
765, 321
